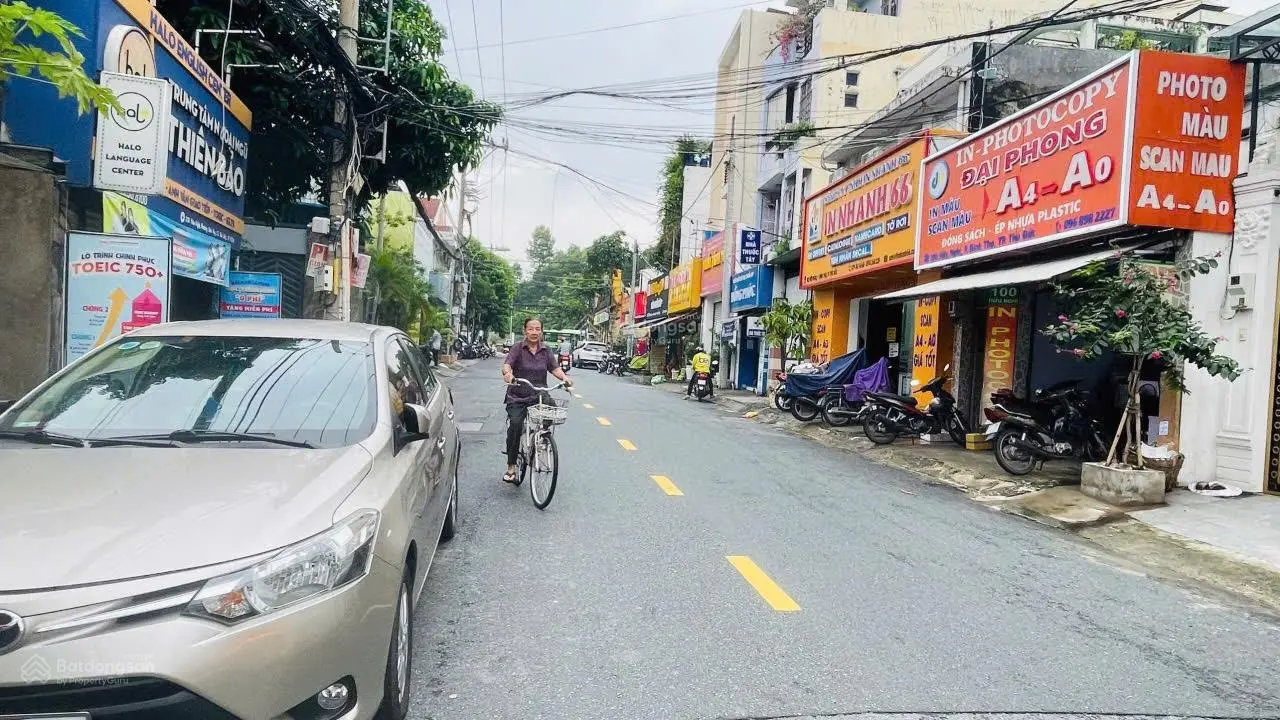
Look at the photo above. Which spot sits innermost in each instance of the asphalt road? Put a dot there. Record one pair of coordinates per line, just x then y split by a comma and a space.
788, 580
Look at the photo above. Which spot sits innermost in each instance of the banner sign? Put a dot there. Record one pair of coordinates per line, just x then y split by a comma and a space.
755, 327
195, 255
751, 289
749, 244
656, 300
1001, 342
318, 258
360, 270
1148, 140
251, 295
685, 283
712, 264
131, 150
641, 305
863, 222
114, 284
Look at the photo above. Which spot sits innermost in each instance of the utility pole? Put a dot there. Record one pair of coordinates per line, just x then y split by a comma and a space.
341, 180
730, 246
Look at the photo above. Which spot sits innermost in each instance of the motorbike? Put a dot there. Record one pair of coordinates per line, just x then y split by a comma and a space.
847, 405
566, 361
1056, 426
890, 416
701, 385
807, 390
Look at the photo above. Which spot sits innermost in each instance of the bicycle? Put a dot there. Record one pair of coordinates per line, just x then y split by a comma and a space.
538, 440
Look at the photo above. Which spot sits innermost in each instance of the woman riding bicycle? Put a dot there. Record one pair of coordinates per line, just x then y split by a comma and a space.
531, 360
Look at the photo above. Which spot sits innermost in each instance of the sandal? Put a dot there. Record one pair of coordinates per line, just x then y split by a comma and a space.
510, 477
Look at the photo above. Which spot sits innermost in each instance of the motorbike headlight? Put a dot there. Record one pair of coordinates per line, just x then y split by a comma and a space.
334, 558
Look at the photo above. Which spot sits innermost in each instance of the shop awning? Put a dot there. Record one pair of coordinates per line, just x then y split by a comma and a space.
674, 318
1010, 276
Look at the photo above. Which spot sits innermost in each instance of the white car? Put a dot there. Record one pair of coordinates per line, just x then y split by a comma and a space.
589, 353
223, 519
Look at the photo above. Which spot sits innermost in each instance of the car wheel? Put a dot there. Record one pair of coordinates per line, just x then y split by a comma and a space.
451, 517
395, 692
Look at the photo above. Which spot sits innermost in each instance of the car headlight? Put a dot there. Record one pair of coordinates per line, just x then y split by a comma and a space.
334, 558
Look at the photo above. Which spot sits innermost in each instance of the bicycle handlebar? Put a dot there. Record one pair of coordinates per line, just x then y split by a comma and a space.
521, 381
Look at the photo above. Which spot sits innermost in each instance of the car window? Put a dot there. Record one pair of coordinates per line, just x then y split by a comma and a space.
318, 391
418, 362
402, 383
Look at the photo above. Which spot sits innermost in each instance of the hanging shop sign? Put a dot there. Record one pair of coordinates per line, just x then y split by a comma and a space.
196, 255
251, 295
1151, 139
616, 288
751, 289
863, 222
131, 148
1001, 342
748, 246
360, 270
114, 284
729, 330
755, 326
712, 264
656, 300
208, 126
641, 307
685, 286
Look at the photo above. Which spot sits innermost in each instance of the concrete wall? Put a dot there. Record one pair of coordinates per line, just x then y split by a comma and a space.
697, 210
32, 243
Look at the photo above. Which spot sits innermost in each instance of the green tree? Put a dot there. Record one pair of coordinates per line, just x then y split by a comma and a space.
493, 289
542, 248
434, 123
1129, 308
24, 50
608, 253
684, 151
562, 291
401, 285
788, 326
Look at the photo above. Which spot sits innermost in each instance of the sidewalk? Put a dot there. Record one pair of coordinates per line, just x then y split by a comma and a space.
453, 370
1230, 545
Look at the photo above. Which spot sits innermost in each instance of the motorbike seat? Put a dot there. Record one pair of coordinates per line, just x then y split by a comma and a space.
904, 399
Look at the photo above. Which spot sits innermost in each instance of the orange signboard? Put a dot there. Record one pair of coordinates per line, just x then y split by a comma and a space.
1002, 339
830, 325
1186, 141
1096, 155
862, 222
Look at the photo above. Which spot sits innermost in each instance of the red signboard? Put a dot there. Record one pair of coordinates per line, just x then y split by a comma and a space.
1141, 141
640, 305
713, 264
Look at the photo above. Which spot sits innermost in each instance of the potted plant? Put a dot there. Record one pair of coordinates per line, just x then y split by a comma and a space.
1131, 308
787, 326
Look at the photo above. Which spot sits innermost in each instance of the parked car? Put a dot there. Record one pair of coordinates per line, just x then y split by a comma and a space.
196, 507
590, 353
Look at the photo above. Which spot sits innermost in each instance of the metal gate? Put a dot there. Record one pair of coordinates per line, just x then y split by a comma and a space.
292, 270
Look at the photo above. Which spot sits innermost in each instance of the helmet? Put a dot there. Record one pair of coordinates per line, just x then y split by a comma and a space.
698, 349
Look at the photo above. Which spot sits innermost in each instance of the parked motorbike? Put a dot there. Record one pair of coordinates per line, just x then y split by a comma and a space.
846, 406
566, 362
781, 399
1056, 425
806, 390
890, 416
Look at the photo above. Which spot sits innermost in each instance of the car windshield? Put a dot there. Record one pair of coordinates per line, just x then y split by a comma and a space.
319, 392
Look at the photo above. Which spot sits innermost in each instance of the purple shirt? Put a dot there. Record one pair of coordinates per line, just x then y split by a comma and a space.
532, 367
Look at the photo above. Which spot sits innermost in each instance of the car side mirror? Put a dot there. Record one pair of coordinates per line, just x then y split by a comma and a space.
416, 424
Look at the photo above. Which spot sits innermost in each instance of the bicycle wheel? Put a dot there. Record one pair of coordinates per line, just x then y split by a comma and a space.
546, 468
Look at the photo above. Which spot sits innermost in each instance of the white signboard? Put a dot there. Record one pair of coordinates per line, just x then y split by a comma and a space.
131, 153
115, 283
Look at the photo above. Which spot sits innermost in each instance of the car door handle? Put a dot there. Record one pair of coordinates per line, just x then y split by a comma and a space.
440, 443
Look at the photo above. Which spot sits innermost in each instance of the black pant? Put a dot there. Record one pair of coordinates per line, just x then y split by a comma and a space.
516, 415
435, 356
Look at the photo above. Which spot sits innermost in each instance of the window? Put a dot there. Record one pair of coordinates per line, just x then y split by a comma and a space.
851, 99
889, 7
403, 385
420, 366
851, 79
318, 391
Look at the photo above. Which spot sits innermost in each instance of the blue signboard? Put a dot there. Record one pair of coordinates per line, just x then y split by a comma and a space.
749, 245
251, 295
751, 289
208, 140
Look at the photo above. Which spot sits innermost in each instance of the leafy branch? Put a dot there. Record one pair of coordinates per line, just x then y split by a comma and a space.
20, 24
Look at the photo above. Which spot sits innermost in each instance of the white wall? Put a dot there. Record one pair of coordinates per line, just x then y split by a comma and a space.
697, 210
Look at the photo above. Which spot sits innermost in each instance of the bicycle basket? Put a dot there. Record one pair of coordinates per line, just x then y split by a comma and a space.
552, 410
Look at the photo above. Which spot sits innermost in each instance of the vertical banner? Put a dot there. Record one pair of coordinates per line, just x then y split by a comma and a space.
823, 316
251, 294
114, 284
360, 273
924, 351
1001, 343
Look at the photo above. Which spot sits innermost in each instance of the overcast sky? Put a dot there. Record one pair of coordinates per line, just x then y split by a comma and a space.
520, 193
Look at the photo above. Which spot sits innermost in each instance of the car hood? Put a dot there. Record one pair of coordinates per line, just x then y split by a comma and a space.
72, 516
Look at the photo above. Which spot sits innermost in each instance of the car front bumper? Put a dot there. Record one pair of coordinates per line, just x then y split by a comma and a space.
172, 665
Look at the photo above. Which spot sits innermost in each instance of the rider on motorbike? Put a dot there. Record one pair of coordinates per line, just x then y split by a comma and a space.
701, 364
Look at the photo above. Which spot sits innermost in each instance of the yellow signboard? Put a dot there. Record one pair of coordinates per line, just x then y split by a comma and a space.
865, 221
685, 286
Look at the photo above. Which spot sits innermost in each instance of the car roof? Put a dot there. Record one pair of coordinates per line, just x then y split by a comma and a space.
276, 328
